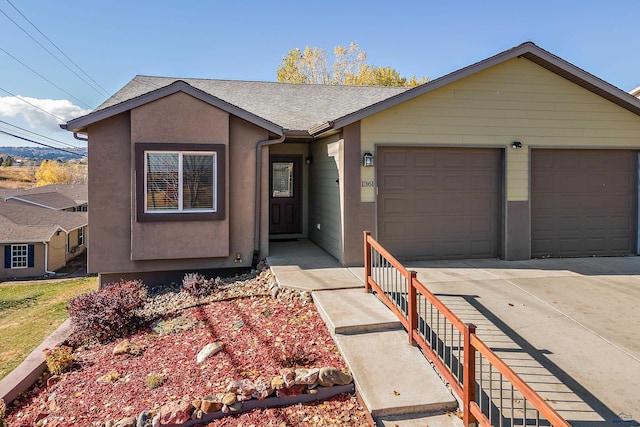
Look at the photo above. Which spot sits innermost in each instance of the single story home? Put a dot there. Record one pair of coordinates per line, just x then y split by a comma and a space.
517, 156
41, 229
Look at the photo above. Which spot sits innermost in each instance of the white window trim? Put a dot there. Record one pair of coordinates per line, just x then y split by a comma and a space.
14, 257
181, 209
81, 236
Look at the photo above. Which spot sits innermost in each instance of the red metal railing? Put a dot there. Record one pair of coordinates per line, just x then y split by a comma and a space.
492, 394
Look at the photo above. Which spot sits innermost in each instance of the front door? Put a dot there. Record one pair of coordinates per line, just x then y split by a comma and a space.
285, 198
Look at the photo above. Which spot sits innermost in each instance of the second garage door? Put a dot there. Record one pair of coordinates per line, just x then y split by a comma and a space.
583, 202
439, 203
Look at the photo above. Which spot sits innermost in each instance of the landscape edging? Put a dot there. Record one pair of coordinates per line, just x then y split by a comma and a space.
28, 372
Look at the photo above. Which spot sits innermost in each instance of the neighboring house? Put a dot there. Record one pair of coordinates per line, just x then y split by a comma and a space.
41, 229
520, 155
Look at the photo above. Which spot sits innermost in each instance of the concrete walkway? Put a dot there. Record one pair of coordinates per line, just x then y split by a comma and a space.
394, 379
566, 326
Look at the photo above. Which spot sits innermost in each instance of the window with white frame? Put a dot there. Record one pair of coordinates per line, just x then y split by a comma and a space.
19, 256
179, 181
80, 236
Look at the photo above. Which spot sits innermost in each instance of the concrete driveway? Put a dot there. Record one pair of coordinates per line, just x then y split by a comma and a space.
569, 327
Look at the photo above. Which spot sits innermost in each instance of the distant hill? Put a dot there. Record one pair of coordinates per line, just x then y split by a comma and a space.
42, 153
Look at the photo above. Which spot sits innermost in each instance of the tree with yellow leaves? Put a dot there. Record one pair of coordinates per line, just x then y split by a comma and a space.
54, 172
312, 66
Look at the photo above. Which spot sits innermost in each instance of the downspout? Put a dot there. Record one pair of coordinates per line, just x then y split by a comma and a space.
80, 138
46, 260
258, 198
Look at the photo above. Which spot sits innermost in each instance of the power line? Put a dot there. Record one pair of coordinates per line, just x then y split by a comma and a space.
59, 50
40, 135
40, 143
33, 105
50, 53
46, 79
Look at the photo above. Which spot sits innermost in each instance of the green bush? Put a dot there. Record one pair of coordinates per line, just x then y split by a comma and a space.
59, 359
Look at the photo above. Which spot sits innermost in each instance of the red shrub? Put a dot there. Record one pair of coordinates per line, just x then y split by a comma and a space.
106, 313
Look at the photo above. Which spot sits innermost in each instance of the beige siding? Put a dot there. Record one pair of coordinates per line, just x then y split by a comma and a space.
325, 207
36, 270
57, 251
513, 101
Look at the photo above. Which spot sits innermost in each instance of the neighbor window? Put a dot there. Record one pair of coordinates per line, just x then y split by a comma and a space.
80, 236
19, 256
179, 179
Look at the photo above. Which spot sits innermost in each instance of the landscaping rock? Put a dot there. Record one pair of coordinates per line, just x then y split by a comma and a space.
289, 377
155, 422
126, 422
306, 376
209, 405
241, 387
127, 347
208, 351
291, 391
54, 379
175, 412
277, 383
263, 389
144, 419
328, 377
229, 399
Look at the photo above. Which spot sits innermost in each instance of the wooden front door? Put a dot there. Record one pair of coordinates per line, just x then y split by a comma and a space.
284, 194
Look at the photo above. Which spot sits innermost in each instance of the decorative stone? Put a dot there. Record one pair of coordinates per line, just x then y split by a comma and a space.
127, 347
155, 422
306, 376
209, 406
291, 391
208, 351
175, 412
275, 291
263, 389
289, 377
196, 404
54, 379
235, 407
305, 297
109, 423
229, 399
126, 422
144, 419
277, 383
242, 387
328, 377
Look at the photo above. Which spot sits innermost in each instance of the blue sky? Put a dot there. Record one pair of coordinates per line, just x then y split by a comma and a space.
246, 40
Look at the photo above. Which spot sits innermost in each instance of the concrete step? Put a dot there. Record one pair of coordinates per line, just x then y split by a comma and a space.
351, 311
448, 419
393, 377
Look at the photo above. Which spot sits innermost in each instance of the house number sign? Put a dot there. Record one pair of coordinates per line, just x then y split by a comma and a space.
367, 183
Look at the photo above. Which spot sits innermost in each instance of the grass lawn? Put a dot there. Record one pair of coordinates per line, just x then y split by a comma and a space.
30, 312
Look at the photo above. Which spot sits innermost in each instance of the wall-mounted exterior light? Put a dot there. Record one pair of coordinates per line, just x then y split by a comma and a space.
308, 160
516, 144
367, 160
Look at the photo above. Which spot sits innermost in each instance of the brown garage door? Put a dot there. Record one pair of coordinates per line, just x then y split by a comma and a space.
583, 202
439, 203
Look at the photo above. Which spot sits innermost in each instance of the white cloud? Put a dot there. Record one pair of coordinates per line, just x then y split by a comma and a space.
25, 108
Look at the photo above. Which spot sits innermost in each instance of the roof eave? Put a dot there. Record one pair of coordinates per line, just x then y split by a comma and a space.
79, 124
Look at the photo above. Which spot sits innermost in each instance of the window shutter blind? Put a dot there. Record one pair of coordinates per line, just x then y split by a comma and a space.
30, 256
7, 256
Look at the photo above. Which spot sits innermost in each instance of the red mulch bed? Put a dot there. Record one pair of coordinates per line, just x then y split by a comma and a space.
258, 334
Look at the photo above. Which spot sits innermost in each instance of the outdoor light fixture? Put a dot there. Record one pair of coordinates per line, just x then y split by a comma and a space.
367, 160
308, 160
516, 144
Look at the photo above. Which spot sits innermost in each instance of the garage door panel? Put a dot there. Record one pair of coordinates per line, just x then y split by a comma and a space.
395, 159
451, 205
583, 202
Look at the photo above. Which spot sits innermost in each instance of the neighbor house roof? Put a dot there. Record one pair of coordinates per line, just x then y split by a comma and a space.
317, 109
24, 222
55, 196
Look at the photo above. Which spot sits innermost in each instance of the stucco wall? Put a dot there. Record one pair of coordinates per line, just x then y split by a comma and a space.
326, 196
513, 101
119, 244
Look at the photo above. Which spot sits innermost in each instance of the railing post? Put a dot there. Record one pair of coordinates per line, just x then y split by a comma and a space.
468, 376
412, 309
367, 261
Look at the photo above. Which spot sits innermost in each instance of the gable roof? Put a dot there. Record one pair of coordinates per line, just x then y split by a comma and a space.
277, 107
23, 222
317, 109
526, 50
55, 196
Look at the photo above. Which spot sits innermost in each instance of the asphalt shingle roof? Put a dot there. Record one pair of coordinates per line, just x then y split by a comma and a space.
291, 106
55, 196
